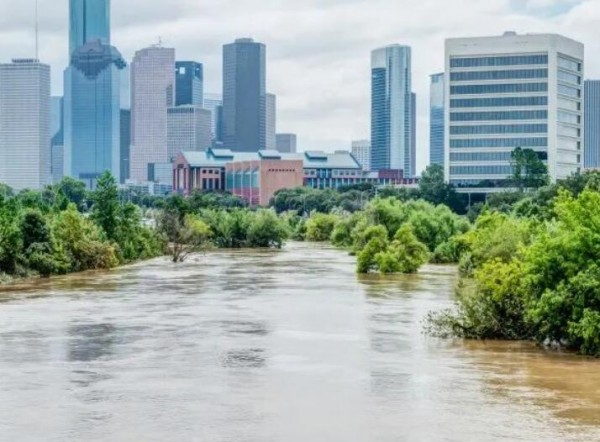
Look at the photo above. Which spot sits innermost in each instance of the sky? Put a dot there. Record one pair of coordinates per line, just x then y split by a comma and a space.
318, 51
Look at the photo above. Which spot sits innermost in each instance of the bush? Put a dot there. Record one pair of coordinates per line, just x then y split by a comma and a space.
320, 226
266, 230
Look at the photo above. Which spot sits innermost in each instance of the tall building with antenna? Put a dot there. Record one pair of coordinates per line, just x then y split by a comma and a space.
89, 20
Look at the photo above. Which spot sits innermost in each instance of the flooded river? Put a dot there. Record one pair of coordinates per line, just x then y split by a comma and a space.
259, 346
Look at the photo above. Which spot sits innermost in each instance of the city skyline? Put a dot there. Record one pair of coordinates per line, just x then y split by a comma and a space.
337, 108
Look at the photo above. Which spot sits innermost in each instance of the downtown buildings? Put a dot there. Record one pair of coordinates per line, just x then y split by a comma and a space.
361, 149
436, 120
592, 124
25, 124
286, 143
507, 92
393, 109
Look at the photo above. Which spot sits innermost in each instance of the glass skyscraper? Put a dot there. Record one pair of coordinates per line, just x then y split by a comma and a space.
89, 20
244, 96
392, 107
592, 124
507, 92
271, 118
92, 113
436, 120
189, 84
214, 103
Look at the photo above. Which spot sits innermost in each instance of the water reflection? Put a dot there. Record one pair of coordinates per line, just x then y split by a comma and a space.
271, 346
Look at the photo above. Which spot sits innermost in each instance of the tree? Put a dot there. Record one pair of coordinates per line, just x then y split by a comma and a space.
434, 189
105, 209
529, 171
35, 229
320, 226
266, 230
404, 255
73, 191
184, 238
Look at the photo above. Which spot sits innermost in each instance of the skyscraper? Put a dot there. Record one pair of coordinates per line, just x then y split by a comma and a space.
25, 124
592, 124
412, 171
436, 120
189, 83
214, 103
125, 141
244, 95
271, 118
512, 91
361, 149
92, 113
89, 20
286, 143
152, 93
57, 145
391, 109
188, 130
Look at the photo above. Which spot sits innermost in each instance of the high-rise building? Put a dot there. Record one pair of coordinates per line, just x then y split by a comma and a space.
92, 113
412, 171
244, 96
592, 124
89, 20
507, 92
125, 142
152, 93
286, 143
189, 84
188, 130
271, 143
361, 149
57, 146
436, 120
25, 124
214, 103
391, 110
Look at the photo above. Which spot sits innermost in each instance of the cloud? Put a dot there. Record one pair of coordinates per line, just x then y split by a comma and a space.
318, 51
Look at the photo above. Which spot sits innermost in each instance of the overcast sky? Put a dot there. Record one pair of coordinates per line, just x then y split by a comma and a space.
318, 51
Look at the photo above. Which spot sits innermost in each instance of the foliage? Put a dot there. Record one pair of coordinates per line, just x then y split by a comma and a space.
187, 236
404, 255
266, 230
434, 189
529, 172
320, 226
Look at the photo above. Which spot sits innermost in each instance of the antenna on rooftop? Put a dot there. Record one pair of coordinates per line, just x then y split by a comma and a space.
37, 32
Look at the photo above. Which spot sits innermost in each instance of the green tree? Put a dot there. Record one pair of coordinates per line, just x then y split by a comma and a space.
105, 209
404, 255
320, 226
529, 171
266, 230
73, 191
434, 189
184, 238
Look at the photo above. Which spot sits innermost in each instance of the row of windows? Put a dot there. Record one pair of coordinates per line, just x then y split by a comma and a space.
481, 170
513, 88
499, 129
488, 156
500, 142
568, 131
568, 90
499, 75
282, 170
510, 60
569, 104
569, 64
498, 102
499, 115
568, 77
567, 117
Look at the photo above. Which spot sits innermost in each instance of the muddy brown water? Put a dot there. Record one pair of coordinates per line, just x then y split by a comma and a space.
271, 346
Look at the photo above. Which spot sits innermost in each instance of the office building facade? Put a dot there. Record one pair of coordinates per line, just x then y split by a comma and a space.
25, 124
89, 20
125, 141
188, 129
244, 96
592, 125
392, 105
214, 103
507, 92
271, 143
152, 94
189, 84
57, 146
361, 149
286, 143
436, 120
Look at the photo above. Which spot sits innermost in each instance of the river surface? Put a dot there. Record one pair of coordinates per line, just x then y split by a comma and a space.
259, 346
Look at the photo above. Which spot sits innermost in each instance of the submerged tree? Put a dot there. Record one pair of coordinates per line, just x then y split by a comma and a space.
185, 236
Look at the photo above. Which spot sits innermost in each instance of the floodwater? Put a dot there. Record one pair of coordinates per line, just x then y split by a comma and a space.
260, 346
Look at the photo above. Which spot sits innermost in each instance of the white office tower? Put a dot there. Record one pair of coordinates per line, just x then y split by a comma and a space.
152, 94
361, 149
25, 124
188, 129
271, 122
507, 92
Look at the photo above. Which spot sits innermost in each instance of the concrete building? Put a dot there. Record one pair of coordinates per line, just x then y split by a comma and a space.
392, 107
152, 93
592, 124
436, 120
244, 96
214, 103
188, 129
189, 84
286, 143
25, 124
361, 149
507, 92
271, 122
92, 112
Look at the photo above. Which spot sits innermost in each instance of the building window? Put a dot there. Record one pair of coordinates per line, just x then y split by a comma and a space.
498, 88
499, 115
513, 60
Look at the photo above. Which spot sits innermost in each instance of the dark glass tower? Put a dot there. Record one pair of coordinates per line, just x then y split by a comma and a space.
89, 20
436, 131
244, 96
189, 84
